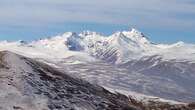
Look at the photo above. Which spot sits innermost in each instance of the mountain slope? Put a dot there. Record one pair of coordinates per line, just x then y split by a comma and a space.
30, 85
125, 61
170, 79
166, 79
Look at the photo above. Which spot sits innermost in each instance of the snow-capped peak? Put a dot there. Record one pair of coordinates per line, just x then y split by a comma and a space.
133, 30
124, 45
134, 33
136, 36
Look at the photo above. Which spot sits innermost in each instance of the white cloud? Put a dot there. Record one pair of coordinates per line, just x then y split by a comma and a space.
144, 13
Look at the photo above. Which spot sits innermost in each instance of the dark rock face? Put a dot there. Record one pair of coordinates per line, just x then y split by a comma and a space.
60, 91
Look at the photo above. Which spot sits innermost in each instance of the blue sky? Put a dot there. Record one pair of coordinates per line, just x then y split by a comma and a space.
163, 21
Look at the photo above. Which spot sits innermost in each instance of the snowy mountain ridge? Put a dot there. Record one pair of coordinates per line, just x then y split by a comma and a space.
117, 48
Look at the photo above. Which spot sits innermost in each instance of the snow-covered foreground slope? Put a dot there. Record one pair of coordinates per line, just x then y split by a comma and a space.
125, 61
26, 84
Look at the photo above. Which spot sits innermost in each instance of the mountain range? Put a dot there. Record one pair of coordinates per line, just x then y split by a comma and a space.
126, 62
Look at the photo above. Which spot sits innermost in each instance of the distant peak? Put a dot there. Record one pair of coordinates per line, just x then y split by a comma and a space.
133, 30
137, 32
